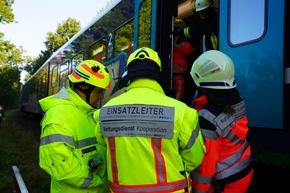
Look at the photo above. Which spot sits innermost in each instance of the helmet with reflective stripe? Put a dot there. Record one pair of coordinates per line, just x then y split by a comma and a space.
91, 72
213, 69
142, 63
202, 4
144, 54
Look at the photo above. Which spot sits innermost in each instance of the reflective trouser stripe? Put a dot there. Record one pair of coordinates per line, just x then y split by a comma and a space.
214, 42
150, 188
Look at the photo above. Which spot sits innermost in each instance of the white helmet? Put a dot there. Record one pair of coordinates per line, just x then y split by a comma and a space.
202, 4
213, 69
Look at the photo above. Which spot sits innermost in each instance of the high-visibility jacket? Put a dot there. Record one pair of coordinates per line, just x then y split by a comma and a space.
228, 157
181, 50
67, 143
204, 31
153, 141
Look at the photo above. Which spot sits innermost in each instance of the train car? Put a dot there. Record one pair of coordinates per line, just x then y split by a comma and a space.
252, 33
95, 41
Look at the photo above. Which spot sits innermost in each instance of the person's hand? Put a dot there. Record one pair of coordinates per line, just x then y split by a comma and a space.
95, 162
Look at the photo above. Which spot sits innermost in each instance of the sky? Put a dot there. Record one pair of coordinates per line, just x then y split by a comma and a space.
36, 17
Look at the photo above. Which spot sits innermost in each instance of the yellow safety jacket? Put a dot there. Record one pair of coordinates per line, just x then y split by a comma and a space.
68, 142
153, 141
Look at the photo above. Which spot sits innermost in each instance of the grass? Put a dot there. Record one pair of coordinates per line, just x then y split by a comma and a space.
272, 158
19, 147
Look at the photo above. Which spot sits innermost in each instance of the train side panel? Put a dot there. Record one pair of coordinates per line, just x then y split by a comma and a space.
252, 34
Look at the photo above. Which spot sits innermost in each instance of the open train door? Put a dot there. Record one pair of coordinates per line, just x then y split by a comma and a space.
153, 28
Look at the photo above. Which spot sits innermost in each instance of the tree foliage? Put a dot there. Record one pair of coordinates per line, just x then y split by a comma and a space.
6, 14
54, 41
10, 86
11, 60
64, 32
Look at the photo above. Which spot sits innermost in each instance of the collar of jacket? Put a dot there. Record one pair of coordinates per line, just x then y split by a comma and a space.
66, 96
146, 83
81, 103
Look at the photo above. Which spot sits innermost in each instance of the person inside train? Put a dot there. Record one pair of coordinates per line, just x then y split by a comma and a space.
227, 165
204, 30
203, 33
69, 151
182, 50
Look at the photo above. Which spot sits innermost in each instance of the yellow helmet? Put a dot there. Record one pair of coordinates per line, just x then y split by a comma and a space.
144, 62
144, 54
213, 69
91, 72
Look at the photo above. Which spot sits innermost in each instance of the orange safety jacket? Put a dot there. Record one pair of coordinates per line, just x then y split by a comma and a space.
181, 50
153, 141
200, 102
228, 157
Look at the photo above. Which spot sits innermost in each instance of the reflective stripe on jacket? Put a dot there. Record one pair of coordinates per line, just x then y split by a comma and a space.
181, 50
229, 154
137, 163
68, 142
204, 31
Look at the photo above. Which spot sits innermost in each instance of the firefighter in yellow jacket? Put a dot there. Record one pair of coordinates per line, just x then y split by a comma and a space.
153, 141
69, 151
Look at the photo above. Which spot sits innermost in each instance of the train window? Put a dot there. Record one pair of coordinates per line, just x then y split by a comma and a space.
43, 85
77, 59
247, 21
124, 38
63, 73
54, 79
144, 24
97, 51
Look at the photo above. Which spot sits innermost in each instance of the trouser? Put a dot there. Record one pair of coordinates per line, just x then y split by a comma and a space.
178, 85
239, 186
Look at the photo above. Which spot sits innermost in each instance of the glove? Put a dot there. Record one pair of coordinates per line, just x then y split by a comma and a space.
95, 162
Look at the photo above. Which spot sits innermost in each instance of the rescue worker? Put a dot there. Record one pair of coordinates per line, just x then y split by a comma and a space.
205, 29
69, 151
227, 163
181, 50
153, 141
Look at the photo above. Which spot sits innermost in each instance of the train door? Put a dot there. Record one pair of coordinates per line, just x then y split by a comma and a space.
153, 28
252, 34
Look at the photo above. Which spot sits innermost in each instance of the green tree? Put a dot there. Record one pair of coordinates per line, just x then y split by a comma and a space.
11, 60
9, 86
6, 14
54, 41
64, 32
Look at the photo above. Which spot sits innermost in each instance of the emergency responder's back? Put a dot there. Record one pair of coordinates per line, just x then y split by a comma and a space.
153, 140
